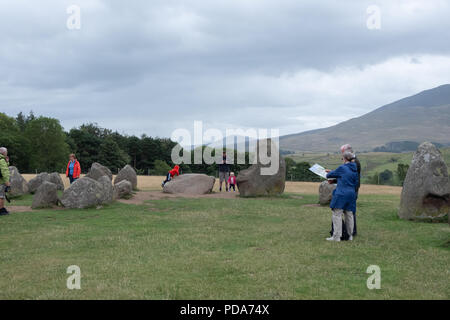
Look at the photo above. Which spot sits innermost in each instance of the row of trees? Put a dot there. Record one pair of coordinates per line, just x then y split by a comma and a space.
41, 144
38, 144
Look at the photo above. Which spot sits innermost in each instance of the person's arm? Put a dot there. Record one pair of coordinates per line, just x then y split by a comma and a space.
335, 173
78, 169
67, 170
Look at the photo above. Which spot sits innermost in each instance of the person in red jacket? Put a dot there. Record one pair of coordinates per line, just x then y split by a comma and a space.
232, 181
73, 169
172, 173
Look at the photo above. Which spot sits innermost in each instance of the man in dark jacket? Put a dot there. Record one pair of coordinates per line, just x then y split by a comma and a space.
348, 148
224, 172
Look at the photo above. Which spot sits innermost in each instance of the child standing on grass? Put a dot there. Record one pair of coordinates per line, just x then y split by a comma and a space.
172, 173
232, 181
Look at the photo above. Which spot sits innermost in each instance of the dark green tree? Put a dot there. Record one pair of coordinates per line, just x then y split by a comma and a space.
48, 150
110, 155
402, 170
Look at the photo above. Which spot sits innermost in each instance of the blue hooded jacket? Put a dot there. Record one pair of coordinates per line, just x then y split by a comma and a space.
344, 196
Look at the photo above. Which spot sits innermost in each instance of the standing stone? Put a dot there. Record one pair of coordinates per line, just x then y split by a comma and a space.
56, 179
84, 193
326, 193
36, 182
426, 189
122, 189
46, 196
253, 182
191, 183
127, 173
97, 171
19, 185
107, 191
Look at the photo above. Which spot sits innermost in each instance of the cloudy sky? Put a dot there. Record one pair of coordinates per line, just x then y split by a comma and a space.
154, 66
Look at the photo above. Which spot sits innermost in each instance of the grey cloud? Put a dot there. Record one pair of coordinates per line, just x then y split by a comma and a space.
249, 63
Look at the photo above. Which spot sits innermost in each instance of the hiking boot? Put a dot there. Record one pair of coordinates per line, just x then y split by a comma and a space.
333, 239
3, 212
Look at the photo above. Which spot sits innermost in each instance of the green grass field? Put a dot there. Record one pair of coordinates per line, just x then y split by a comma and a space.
371, 162
257, 248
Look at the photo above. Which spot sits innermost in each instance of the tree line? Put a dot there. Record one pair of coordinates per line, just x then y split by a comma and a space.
40, 144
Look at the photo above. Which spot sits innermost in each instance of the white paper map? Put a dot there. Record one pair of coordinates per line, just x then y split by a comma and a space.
319, 170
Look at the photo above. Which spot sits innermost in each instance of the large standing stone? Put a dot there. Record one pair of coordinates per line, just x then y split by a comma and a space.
46, 196
191, 183
122, 189
19, 185
85, 192
97, 171
56, 179
255, 182
127, 173
36, 182
426, 189
326, 193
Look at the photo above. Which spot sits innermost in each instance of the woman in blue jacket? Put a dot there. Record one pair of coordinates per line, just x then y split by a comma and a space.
344, 196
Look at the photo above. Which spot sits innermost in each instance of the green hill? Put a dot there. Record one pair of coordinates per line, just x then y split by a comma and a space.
422, 117
371, 162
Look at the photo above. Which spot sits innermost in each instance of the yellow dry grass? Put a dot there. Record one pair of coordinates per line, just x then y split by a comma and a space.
151, 183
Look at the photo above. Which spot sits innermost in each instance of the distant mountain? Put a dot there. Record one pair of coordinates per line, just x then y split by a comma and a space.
418, 118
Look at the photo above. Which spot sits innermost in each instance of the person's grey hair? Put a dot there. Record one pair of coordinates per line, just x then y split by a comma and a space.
3, 151
349, 156
346, 147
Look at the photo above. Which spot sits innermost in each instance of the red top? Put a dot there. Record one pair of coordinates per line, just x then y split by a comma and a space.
175, 171
76, 169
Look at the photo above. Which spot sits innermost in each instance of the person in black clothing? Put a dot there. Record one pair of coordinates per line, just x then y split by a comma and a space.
348, 148
224, 172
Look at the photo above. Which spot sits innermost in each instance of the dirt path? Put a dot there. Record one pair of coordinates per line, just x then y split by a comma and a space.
141, 196
17, 209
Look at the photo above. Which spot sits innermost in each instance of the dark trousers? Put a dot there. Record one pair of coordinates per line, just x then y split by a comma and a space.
168, 178
72, 179
233, 186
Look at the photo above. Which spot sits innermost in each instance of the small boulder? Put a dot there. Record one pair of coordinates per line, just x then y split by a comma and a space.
254, 182
127, 173
56, 179
19, 185
97, 171
36, 182
84, 193
122, 189
426, 189
45, 196
191, 183
326, 193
